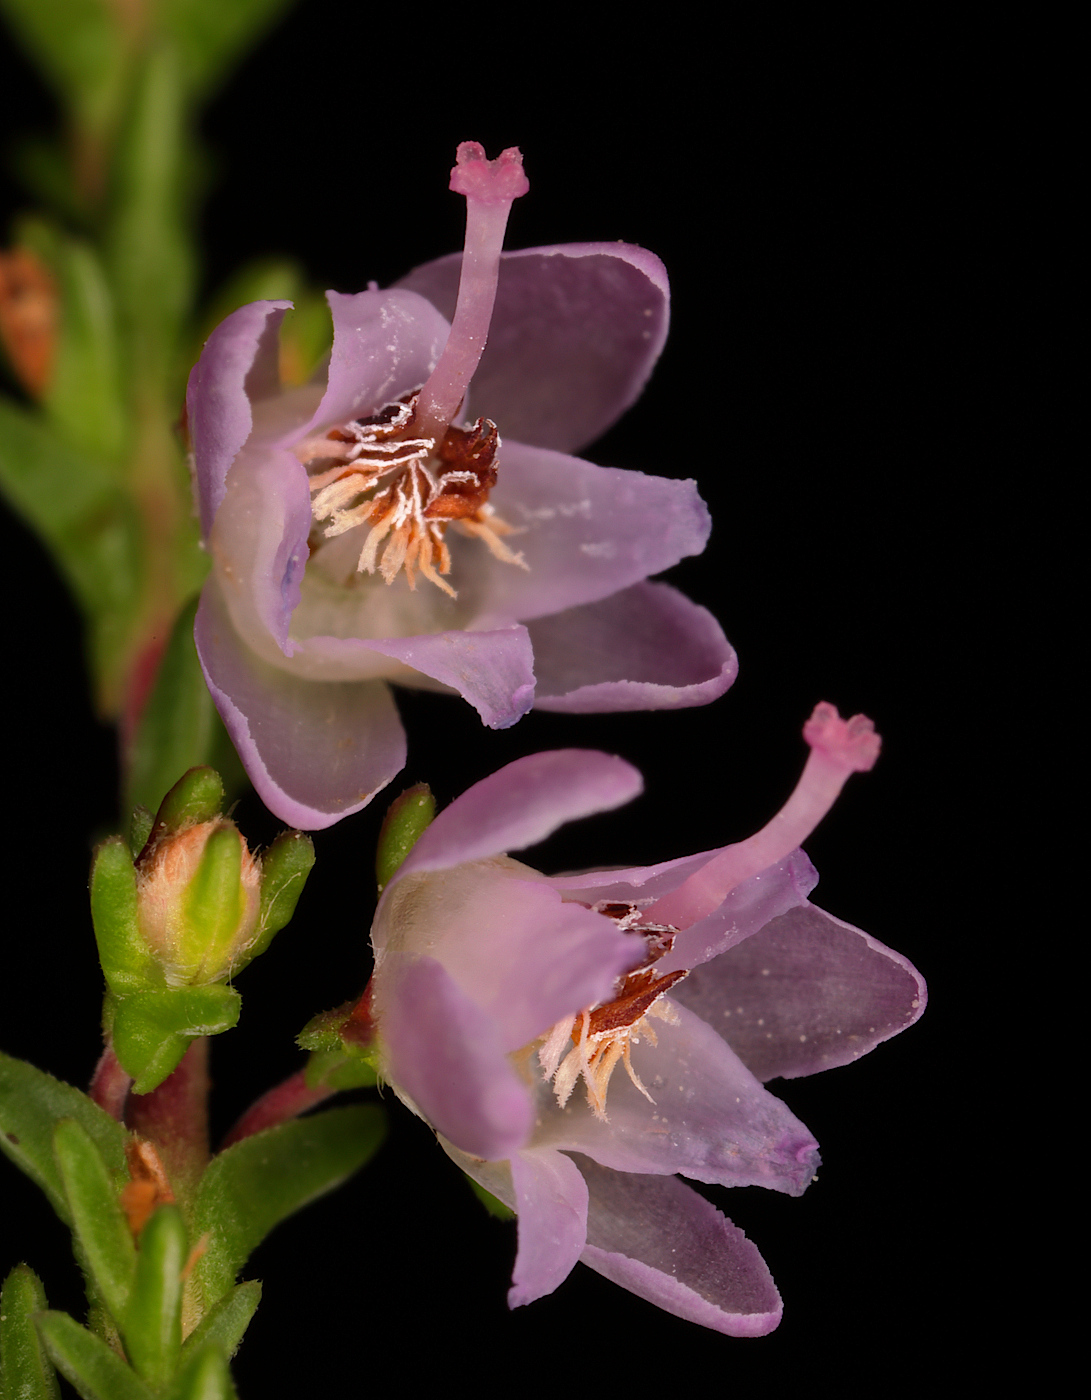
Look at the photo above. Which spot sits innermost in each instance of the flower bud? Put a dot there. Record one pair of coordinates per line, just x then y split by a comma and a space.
175, 924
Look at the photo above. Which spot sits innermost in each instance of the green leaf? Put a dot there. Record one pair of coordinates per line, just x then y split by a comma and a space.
84, 1359
84, 397
126, 961
32, 1103
179, 728
152, 1030
256, 1183
284, 870
406, 819
152, 1325
204, 1377
226, 1322
210, 35
98, 1220
25, 1372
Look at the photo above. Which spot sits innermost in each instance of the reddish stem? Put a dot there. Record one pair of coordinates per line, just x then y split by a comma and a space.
110, 1085
280, 1104
174, 1118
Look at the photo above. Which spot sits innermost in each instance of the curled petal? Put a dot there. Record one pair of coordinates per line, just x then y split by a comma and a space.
551, 1203
806, 993
575, 333
509, 943
645, 648
315, 751
494, 670
658, 1238
237, 363
711, 1119
522, 803
587, 531
443, 1054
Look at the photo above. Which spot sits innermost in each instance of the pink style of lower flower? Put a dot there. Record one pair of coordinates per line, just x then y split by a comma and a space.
577, 1041
375, 528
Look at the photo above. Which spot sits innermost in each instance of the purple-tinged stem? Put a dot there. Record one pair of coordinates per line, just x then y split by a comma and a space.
174, 1118
279, 1105
490, 187
838, 747
110, 1085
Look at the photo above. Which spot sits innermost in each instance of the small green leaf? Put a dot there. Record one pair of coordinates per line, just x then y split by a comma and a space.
152, 1030
256, 1183
204, 1376
284, 870
32, 1103
140, 827
152, 1325
25, 1372
84, 1359
126, 961
496, 1208
226, 1322
179, 728
197, 796
340, 1069
97, 1218
406, 819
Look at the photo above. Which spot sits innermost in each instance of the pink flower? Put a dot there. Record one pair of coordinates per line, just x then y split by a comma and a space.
576, 1041
365, 531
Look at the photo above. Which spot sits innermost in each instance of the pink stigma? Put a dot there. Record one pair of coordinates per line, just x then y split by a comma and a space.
490, 187
496, 181
838, 747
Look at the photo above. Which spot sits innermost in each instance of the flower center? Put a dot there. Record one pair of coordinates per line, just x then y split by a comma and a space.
407, 471
602, 1036
408, 488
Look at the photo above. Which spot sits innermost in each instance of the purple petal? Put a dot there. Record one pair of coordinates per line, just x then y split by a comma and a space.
575, 333
711, 1119
551, 1203
806, 993
587, 531
746, 910
508, 942
645, 648
494, 670
661, 1240
239, 356
314, 750
384, 344
259, 545
444, 1053
522, 803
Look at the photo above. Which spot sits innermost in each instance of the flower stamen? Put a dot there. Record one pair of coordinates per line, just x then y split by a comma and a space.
602, 1036
407, 489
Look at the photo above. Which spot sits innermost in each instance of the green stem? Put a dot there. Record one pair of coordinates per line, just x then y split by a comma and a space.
174, 1118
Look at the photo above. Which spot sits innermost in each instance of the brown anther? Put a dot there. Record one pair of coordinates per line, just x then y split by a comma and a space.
147, 1187
471, 451
630, 1004
28, 318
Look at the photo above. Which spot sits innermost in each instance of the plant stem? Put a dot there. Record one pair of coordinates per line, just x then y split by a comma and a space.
174, 1118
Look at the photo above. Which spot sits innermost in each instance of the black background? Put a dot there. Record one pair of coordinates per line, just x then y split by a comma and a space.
835, 208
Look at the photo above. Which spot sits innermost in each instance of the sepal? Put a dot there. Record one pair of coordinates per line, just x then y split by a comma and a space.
151, 1031
406, 819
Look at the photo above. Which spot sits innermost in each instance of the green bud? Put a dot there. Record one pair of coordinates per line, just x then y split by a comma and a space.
406, 818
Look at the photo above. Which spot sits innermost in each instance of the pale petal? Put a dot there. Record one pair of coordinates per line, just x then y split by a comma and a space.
551, 1203
315, 751
575, 333
238, 360
493, 670
645, 648
586, 532
523, 803
711, 1118
658, 1238
806, 993
384, 345
507, 940
443, 1053
259, 546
